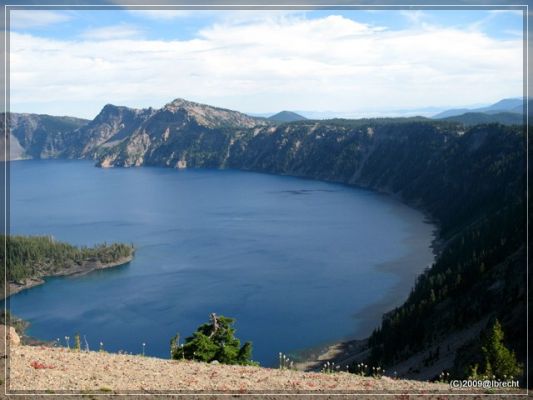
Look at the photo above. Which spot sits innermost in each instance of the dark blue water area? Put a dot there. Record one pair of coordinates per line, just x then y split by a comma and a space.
293, 260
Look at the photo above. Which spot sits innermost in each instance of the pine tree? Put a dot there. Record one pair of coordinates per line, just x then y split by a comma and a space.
214, 341
499, 361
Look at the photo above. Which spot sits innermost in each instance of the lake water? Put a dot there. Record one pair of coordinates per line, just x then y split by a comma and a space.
297, 262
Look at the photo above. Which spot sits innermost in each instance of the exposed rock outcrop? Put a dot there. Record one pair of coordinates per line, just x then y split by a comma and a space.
10, 335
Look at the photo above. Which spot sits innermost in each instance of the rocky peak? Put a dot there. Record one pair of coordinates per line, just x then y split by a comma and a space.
212, 117
110, 110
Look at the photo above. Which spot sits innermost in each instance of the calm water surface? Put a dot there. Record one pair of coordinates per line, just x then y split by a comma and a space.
293, 260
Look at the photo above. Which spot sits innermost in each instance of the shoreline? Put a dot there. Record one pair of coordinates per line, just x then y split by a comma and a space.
354, 348
78, 270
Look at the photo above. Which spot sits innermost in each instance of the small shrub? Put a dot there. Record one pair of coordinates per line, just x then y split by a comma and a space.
213, 341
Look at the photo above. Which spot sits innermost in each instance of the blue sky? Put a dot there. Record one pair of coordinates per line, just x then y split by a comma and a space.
356, 62
495, 23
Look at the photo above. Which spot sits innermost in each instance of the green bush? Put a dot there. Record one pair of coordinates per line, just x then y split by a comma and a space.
499, 361
212, 341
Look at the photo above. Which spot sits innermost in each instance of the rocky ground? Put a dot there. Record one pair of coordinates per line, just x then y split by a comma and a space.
59, 369
45, 371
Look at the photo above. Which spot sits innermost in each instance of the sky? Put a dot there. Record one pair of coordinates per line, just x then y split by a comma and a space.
351, 63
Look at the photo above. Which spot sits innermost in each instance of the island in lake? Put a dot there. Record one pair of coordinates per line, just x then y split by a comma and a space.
32, 258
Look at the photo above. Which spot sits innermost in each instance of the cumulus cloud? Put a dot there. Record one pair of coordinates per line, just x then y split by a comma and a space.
328, 63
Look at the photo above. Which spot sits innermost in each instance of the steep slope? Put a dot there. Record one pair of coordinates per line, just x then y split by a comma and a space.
39, 136
111, 126
180, 134
286, 116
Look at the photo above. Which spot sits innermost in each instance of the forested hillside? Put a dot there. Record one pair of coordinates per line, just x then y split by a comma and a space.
40, 256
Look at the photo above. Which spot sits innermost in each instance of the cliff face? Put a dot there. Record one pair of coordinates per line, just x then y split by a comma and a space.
39, 136
180, 134
112, 126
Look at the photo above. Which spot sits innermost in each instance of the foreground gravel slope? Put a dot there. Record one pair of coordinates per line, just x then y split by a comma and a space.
59, 369
62, 370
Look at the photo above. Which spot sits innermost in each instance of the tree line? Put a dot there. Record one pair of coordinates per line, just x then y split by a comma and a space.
35, 256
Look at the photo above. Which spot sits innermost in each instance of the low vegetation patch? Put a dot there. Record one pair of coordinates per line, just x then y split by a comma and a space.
213, 341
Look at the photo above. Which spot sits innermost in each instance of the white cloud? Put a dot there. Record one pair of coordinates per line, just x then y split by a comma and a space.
22, 19
121, 31
331, 63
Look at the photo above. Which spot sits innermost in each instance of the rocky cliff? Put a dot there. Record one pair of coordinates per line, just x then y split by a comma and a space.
39, 136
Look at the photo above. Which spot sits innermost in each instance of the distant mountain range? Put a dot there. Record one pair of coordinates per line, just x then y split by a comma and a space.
512, 105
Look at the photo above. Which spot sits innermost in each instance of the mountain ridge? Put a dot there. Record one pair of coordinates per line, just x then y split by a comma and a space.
512, 104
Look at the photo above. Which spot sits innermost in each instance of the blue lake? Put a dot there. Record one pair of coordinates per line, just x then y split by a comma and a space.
298, 263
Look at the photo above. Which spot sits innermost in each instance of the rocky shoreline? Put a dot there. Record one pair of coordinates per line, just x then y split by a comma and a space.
77, 270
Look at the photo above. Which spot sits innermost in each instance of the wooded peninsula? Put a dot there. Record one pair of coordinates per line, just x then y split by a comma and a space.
31, 258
